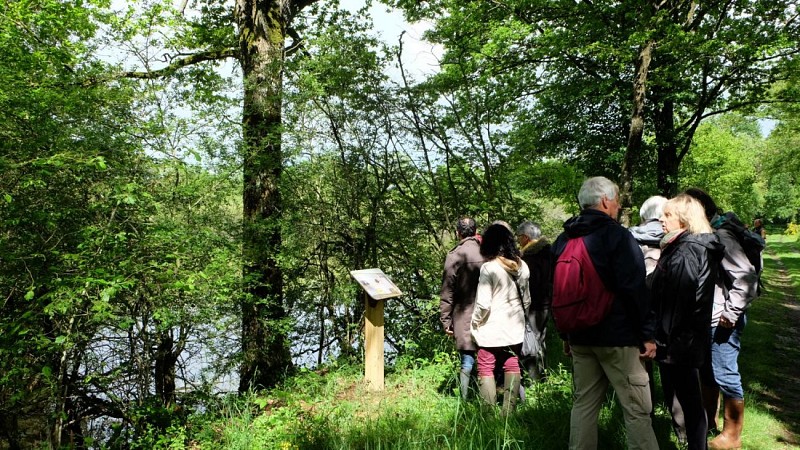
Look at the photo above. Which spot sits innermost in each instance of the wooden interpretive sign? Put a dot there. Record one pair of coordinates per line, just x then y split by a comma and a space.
377, 287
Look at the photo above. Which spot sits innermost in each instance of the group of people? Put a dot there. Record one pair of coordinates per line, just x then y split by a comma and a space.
493, 284
681, 285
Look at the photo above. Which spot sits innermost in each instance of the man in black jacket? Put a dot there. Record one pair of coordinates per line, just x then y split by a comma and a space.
612, 351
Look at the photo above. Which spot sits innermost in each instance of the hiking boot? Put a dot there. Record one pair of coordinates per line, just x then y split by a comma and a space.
731, 436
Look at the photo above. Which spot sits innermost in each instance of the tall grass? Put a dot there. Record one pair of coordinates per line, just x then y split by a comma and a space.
420, 409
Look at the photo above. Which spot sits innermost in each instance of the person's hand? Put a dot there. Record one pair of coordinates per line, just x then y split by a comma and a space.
649, 350
567, 349
724, 322
449, 332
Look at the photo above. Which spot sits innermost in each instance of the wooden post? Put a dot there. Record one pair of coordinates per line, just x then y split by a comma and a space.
373, 346
377, 287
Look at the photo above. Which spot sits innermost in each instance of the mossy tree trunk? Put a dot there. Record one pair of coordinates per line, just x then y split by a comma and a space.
262, 28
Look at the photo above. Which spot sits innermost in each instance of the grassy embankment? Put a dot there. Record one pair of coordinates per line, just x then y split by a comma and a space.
420, 409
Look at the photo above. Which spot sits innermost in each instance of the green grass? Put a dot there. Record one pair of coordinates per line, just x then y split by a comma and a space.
768, 363
421, 410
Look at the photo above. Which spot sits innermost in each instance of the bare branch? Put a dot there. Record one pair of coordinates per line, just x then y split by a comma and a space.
297, 43
182, 6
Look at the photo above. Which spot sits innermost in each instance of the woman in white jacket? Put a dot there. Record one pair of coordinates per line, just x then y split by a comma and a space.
498, 320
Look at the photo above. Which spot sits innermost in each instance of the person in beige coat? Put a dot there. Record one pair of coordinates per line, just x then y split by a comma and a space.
498, 319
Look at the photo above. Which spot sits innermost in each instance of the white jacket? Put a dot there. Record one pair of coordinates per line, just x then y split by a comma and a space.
498, 319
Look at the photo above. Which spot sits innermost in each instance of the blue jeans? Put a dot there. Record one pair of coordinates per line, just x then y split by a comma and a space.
725, 347
467, 360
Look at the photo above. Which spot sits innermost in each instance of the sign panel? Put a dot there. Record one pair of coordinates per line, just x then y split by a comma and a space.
376, 284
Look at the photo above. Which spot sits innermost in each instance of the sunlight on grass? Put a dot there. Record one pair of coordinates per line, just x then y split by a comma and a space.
763, 431
764, 353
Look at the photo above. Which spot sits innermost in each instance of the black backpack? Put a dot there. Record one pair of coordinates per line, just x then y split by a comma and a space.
752, 243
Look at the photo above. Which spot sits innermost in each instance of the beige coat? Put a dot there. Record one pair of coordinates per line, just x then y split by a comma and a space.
498, 319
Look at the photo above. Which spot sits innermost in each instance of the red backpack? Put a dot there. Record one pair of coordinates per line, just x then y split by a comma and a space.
580, 299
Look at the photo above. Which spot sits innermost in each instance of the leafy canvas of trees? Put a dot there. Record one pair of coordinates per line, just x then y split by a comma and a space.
185, 187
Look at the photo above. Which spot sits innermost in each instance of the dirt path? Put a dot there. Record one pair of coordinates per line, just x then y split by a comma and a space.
786, 400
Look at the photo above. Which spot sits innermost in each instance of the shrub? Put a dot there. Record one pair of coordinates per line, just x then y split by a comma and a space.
792, 229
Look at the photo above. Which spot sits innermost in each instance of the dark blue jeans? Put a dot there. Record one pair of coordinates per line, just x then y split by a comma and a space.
725, 347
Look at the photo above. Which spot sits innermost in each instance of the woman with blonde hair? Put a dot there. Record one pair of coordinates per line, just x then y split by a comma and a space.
683, 295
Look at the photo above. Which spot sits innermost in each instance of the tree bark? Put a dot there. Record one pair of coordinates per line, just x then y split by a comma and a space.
9, 430
634, 146
165, 360
667, 148
262, 33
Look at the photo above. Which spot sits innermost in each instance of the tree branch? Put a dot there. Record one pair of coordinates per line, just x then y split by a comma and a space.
177, 64
297, 43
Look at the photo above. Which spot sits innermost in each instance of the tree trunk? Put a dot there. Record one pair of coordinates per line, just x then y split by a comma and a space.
634, 146
165, 360
73, 435
667, 147
262, 32
63, 388
9, 430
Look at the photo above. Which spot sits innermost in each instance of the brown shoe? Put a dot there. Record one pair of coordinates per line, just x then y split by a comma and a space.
731, 436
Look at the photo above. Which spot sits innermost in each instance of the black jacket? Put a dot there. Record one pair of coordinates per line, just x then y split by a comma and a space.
620, 264
683, 296
540, 262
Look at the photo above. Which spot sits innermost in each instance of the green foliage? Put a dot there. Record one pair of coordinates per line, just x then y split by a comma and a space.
107, 255
121, 205
723, 163
780, 161
63, 230
782, 198
792, 229
564, 70
400, 199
